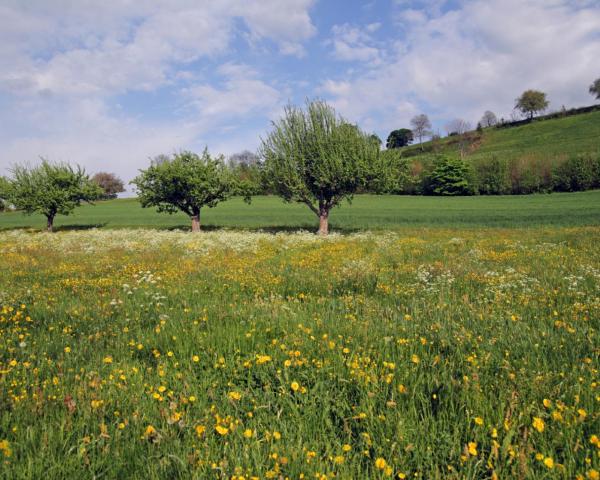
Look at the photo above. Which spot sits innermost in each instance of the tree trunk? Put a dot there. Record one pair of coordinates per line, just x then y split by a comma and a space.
323, 222
50, 223
196, 223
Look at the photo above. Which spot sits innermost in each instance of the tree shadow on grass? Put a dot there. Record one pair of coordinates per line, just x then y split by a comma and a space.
62, 228
272, 229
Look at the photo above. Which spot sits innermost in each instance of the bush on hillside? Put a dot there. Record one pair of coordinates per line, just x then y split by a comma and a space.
491, 176
530, 174
451, 176
578, 173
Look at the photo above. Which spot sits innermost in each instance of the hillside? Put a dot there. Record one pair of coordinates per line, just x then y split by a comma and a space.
547, 139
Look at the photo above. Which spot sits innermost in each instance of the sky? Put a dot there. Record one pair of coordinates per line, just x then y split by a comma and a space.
110, 84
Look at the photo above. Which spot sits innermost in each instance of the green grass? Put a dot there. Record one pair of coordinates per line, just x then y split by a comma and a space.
547, 139
366, 212
460, 354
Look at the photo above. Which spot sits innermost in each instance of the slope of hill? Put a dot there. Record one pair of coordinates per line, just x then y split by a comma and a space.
547, 139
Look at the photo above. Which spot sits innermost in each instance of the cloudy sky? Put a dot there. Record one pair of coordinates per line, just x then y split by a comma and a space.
108, 84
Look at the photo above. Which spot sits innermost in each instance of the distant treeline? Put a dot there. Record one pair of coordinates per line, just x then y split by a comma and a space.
434, 174
493, 175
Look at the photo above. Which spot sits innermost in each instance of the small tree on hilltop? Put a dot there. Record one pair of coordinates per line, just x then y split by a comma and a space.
51, 189
315, 157
531, 102
421, 127
488, 120
399, 138
186, 182
595, 88
109, 183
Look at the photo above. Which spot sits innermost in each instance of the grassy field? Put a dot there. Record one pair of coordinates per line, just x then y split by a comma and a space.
446, 353
366, 212
546, 139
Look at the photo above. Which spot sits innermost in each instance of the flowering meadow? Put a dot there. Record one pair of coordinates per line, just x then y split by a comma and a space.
425, 353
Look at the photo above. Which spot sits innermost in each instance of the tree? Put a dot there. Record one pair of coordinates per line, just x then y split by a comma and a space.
421, 127
51, 189
244, 158
399, 138
595, 88
4, 193
110, 184
451, 176
530, 102
457, 126
185, 182
313, 156
375, 139
488, 120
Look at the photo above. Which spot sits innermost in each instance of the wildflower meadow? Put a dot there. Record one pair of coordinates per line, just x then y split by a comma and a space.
425, 353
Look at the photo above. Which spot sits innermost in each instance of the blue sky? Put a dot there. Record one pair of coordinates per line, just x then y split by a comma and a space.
110, 84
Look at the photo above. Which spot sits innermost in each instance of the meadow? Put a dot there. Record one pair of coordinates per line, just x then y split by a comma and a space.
374, 212
420, 353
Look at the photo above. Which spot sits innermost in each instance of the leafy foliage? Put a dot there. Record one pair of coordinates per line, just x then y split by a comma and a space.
580, 172
4, 193
451, 176
530, 102
399, 138
186, 182
109, 183
492, 176
315, 157
51, 189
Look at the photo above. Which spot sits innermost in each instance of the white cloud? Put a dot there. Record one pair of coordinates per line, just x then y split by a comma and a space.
62, 63
462, 62
351, 43
242, 93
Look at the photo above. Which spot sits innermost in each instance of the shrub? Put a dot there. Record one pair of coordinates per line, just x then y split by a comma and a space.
530, 174
451, 176
491, 176
578, 173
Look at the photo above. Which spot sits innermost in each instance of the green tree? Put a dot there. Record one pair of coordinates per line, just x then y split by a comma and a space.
530, 102
451, 176
595, 88
51, 189
4, 193
375, 139
399, 138
110, 184
313, 156
185, 182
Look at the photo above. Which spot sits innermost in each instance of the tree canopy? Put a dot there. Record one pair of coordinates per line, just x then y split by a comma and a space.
530, 102
488, 119
314, 156
51, 189
4, 193
186, 182
110, 184
399, 138
595, 88
421, 126
450, 177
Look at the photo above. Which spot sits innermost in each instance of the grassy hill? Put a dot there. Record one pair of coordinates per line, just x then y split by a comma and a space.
548, 139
